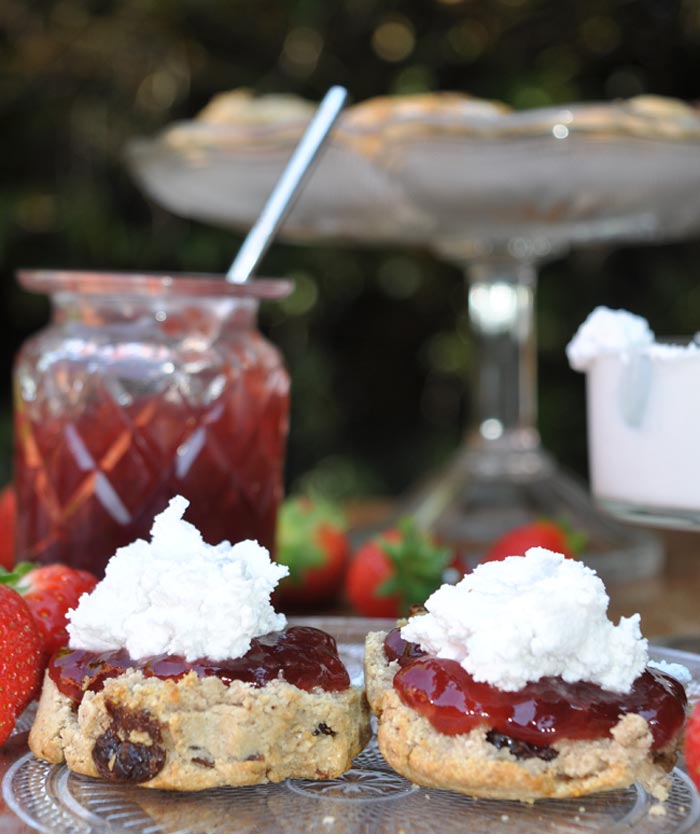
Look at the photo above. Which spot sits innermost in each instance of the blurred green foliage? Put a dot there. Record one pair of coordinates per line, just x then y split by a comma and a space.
79, 78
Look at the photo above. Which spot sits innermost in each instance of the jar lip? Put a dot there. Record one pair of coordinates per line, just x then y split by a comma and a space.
169, 284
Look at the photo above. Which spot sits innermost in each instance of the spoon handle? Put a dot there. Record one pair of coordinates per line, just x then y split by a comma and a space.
280, 200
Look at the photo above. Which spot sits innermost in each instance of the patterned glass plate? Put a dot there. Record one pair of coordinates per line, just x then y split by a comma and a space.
442, 170
369, 799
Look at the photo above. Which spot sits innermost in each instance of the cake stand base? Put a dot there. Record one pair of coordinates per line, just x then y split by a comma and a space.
484, 493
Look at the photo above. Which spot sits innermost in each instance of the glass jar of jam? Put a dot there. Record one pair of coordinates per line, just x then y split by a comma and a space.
143, 387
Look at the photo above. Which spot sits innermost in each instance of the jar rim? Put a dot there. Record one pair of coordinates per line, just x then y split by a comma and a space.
202, 284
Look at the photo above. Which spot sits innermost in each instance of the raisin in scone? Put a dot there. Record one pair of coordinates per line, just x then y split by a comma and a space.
521, 739
180, 675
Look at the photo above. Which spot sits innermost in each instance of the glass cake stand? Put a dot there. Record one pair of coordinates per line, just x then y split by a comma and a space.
495, 191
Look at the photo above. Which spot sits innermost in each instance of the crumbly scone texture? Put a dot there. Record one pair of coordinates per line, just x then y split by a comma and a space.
469, 764
198, 733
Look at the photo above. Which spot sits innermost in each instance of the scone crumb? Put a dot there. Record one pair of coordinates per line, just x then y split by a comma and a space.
582, 809
328, 820
504, 817
658, 809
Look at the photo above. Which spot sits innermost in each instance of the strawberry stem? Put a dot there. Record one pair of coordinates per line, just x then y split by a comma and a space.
299, 521
418, 564
13, 578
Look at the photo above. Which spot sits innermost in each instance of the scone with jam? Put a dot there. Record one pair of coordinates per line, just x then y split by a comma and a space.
180, 675
514, 684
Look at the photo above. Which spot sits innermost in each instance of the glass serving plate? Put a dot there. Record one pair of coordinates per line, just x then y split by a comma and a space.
370, 799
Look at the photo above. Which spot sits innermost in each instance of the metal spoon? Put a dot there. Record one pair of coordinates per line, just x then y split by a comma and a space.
280, 200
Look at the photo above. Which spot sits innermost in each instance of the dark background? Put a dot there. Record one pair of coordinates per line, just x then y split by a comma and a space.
79, 79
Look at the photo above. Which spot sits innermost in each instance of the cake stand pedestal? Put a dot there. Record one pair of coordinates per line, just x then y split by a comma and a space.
502, 477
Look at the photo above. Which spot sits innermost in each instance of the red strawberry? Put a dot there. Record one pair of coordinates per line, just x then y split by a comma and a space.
49, 591
544, 533
311, 541
8, 516
691, 745
20, 659
397, 569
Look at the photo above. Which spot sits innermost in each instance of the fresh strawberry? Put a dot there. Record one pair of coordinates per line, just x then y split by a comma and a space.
543, 533
691, 746
8, 517
312, 542
20, 659
49, 591
399, 568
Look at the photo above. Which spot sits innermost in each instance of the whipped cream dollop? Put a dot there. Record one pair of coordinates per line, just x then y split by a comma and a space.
528, 617
607, 331
676, 670
179, 595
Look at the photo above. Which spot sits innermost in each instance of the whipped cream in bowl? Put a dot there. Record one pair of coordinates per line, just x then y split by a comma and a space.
643, 414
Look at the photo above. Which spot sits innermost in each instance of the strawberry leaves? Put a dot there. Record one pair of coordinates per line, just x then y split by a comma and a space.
395, 570
312, 542
418, 564
298, 547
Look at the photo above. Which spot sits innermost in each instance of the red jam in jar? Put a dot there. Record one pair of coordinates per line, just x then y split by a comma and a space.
303, 656
542, 712
144, 387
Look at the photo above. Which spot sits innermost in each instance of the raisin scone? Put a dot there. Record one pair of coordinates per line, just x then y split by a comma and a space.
526, 740
199, 731
179, 673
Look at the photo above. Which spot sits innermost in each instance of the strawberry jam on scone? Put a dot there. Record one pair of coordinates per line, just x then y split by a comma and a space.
515, 684
180, 675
